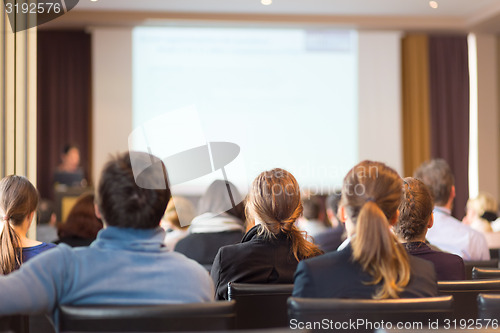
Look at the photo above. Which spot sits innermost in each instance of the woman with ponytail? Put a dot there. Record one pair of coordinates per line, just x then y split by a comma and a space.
273, 246
415, 218
18, 202
373, 264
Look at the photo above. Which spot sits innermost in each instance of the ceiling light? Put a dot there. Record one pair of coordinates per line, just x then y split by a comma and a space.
266, 2
433, 4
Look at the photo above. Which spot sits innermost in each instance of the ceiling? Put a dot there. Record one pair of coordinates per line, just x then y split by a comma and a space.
453, 15
462, 8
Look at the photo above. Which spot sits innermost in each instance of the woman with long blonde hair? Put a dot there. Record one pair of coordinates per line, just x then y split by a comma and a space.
373, 264
273, 246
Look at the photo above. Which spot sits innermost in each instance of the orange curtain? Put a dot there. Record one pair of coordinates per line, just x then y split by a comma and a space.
416, 102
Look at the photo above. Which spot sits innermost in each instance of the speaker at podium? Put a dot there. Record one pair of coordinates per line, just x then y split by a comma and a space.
65, 198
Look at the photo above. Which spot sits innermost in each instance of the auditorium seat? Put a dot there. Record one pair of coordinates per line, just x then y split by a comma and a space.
485, 273
14, 324
260, 305
494, 253
368, 313
488, 306
469, 265
465, 295
148, 318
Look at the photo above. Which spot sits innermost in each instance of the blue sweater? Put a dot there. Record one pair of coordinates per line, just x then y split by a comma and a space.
30, 252
122, 266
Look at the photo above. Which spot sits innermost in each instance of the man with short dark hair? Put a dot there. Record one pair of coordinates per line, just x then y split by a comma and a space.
126, 264
331, 239
448, 233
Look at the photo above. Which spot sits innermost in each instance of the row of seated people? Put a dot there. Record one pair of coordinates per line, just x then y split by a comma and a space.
79, 228
128, 263
210, 230
445, 232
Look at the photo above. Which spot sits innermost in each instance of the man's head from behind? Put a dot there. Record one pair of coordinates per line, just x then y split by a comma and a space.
122, 203
437, 175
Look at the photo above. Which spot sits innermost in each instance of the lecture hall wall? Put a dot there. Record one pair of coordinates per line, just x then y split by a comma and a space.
379, 104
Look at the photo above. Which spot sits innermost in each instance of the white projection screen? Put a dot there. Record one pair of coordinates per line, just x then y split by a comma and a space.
286, 97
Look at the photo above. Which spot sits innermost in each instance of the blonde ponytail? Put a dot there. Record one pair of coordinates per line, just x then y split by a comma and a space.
379, 253
371, 195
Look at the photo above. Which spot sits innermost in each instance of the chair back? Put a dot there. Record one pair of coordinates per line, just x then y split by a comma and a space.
485, 273
366, 315
469, 265
488, 306
15, 324
260, 305
147, 318
494, 253
465, 295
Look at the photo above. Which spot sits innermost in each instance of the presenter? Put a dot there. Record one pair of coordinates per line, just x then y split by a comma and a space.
69, 172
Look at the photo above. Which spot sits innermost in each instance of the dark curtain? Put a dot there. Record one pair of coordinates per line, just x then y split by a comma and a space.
64, 101
449, 101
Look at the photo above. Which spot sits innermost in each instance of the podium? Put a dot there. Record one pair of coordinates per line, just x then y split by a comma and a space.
65, 198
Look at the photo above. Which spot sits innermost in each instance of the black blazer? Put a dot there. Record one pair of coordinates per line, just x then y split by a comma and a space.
448, 266
254, 260
203, 247
336, 275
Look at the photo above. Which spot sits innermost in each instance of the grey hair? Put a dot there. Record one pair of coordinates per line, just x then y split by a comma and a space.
216, 197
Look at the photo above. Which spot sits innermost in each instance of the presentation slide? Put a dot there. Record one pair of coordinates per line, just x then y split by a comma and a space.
230, 103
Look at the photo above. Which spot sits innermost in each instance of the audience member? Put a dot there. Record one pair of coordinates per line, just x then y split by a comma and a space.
18, 203
481, 211
127, 264
179, 214
271, 249
46, 221
415, 218
81, 225
309, 222
448, 233
374, 264
331, 239
69, 173
216, 226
